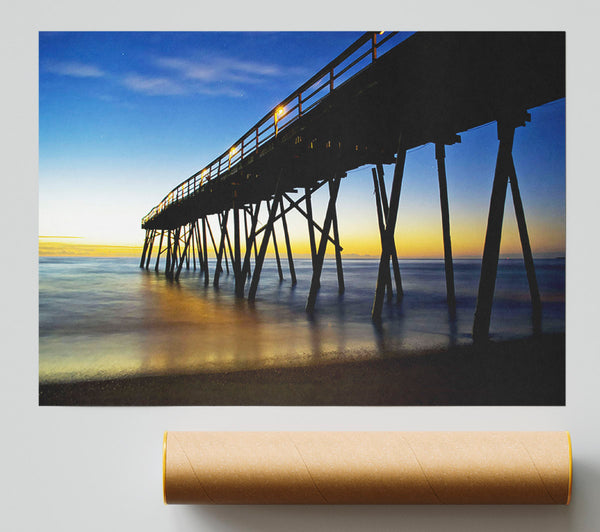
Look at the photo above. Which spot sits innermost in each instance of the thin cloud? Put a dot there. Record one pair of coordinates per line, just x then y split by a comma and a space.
188, 69
221, 69
165, 86
154, 86
219, 91
222, 76
77, 70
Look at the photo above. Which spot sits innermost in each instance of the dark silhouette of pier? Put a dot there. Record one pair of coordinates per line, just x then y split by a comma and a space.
371, 104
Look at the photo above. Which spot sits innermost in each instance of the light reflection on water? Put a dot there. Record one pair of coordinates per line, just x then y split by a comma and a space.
105, 317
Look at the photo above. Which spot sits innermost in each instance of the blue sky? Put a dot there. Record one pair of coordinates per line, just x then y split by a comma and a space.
124, 117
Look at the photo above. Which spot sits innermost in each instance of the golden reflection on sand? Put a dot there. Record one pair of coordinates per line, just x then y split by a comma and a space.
210, 331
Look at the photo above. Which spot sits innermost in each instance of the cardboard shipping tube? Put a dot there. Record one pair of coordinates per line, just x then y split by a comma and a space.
367, 467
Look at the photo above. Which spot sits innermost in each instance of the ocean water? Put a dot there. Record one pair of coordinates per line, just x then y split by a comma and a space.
106, 317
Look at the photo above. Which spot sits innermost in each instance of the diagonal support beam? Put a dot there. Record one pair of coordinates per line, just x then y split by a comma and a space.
205, 250
308, 215
287, 244
338, 254
440, 155
199, 246
311, 223
534, 290
388, 236
334, 186
194, 243
162, 234
152, 239
230, 250
491, 250
176, 251
254, 234
381, 223
146, 243
220, 217
246, 266
386, 209
168, 264
212, 238
185, 252
237, 258
295, 204
277, 258
263, 249
218, 269
247, 235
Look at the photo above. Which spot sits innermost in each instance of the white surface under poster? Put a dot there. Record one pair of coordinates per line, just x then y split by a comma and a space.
216, 221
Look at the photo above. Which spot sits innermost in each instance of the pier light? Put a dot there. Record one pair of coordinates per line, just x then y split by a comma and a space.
232, 152
278, 112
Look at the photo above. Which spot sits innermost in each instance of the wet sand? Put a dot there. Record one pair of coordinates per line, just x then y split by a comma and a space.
520, 372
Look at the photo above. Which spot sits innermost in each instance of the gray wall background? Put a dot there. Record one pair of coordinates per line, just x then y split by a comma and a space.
74, 469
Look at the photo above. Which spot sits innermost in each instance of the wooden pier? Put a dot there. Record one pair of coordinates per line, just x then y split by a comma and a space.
370, 105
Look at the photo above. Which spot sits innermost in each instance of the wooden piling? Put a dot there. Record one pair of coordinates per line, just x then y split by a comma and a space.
225, 235
168, 263
491, 250
338, 254
152, 238
440, 155
263, 250
246, 265
315, 225
311, 229
228, 248
162, 234
176, 251
334, 186
287, 244
194, 247
247, 235
205, 250
218, 269
237, 270
254, 237
146, 242
390, 226
199, 247
185, 253
278, 260
212, 238
526, 247
381, 223
395, 263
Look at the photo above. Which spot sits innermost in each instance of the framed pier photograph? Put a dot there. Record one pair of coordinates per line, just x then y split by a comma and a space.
302, 218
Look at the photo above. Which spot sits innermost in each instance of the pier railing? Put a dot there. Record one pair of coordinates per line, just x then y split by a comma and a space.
358, 56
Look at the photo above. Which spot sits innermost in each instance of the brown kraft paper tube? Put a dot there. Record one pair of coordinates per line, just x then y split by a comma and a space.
367, 467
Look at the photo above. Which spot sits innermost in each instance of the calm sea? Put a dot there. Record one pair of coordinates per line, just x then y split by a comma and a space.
105, 317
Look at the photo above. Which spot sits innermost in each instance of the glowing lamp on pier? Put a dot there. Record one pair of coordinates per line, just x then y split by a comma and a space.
278, 113
232, 152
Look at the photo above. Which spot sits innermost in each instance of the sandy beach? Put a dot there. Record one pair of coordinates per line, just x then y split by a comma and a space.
520, 372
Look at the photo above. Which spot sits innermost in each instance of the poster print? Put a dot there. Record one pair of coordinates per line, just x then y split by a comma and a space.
301, 218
